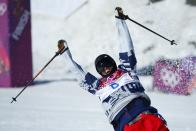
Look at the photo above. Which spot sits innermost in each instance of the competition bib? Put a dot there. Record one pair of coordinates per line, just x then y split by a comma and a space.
114, 86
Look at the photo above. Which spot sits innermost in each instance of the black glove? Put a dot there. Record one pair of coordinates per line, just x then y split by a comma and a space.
62, 46
119, 14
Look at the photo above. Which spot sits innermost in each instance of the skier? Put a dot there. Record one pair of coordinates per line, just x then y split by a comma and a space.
124, 101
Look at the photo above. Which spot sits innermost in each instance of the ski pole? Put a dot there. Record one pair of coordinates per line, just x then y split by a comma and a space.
60, 51
171, 41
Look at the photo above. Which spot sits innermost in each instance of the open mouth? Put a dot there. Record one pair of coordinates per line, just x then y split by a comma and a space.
106, 71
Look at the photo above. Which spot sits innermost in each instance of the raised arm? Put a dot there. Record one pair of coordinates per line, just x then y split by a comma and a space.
87, 80
126, 49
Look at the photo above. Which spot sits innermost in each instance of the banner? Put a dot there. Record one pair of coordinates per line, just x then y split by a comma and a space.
175, 76
4, 52
15, 43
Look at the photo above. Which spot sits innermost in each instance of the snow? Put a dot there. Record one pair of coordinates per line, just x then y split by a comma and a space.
56, 103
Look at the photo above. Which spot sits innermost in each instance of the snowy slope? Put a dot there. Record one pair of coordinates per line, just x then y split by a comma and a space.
56, 103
